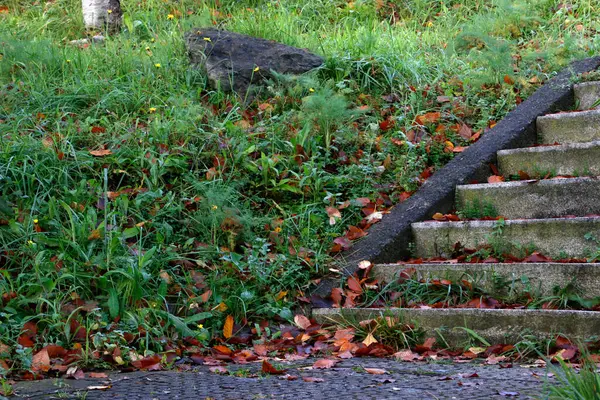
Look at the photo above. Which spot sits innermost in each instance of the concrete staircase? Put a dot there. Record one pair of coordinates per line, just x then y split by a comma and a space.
555, 216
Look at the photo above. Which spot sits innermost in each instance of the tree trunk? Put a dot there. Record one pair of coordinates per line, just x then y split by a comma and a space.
100, 14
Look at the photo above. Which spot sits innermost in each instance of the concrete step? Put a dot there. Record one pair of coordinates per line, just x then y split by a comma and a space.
544, 198
570, 127
587, 94
495, 326
580, 159
556, 238
536, 278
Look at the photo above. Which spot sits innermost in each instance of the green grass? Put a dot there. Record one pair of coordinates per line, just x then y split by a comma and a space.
201, 194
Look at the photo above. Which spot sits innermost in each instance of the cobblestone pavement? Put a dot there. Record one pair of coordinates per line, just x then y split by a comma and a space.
347, 380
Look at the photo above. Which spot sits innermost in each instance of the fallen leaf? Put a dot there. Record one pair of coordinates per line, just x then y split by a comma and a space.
41, 361
370, 339
101, 387
324, 363
100, 153
495, 179
228, 327
268, 368
302, 321
312, 379
376, 371
98, 375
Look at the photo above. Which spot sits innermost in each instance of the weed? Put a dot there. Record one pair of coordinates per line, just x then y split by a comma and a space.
583, 384
477, 209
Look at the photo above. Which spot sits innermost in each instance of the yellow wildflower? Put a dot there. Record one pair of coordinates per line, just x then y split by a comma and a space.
30, 242
35, 221
157, 65
68, 61
147, 48
170, 16
214, 207
109, 11
429, 24
311, 90
256, 69
278, 229
207, 39
152, 40
152, 110
200, 326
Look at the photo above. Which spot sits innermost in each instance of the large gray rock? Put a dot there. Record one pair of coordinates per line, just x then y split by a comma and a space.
231, 59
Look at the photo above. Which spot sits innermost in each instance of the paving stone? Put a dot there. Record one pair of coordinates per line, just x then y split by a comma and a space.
347, 380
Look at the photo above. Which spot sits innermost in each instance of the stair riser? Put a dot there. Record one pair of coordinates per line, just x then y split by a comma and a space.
535, 199
496, 326
555, 238
542, 277
569, 127
576, 159
587, 94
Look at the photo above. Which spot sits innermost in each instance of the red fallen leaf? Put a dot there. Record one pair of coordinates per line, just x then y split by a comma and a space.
40, 361
426, 174
98, 129
567, 354
536, 257
100, 153
494, 169
28, 332
312, 379
376, 371
458, 149
302, 321
98, 375
562, 342
260, 350
324, 363
150, 363
350, 297
495, 179
268, 368
406, 355
205, 296
508, 80
452, 217
354, 284
426, 346
75, 373
387, 124
362, 201
355, 233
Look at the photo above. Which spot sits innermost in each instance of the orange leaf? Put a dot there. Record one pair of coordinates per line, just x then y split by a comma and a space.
223, 349
508, 80
100, 153
428, 118
439, 217
495, 179
228, 327
324, 364
355, 233
376, 371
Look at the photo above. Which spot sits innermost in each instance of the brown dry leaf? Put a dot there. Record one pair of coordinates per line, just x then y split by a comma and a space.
354, 284
465, 132
324, 363
302, 321
376, 371
370, 339
228, 327
41, 361
205, 296
100, 153
268, 368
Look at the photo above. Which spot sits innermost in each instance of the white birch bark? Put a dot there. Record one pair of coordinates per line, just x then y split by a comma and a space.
99, 14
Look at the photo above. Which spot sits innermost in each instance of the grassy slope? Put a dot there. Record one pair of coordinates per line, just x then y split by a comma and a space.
202, 194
